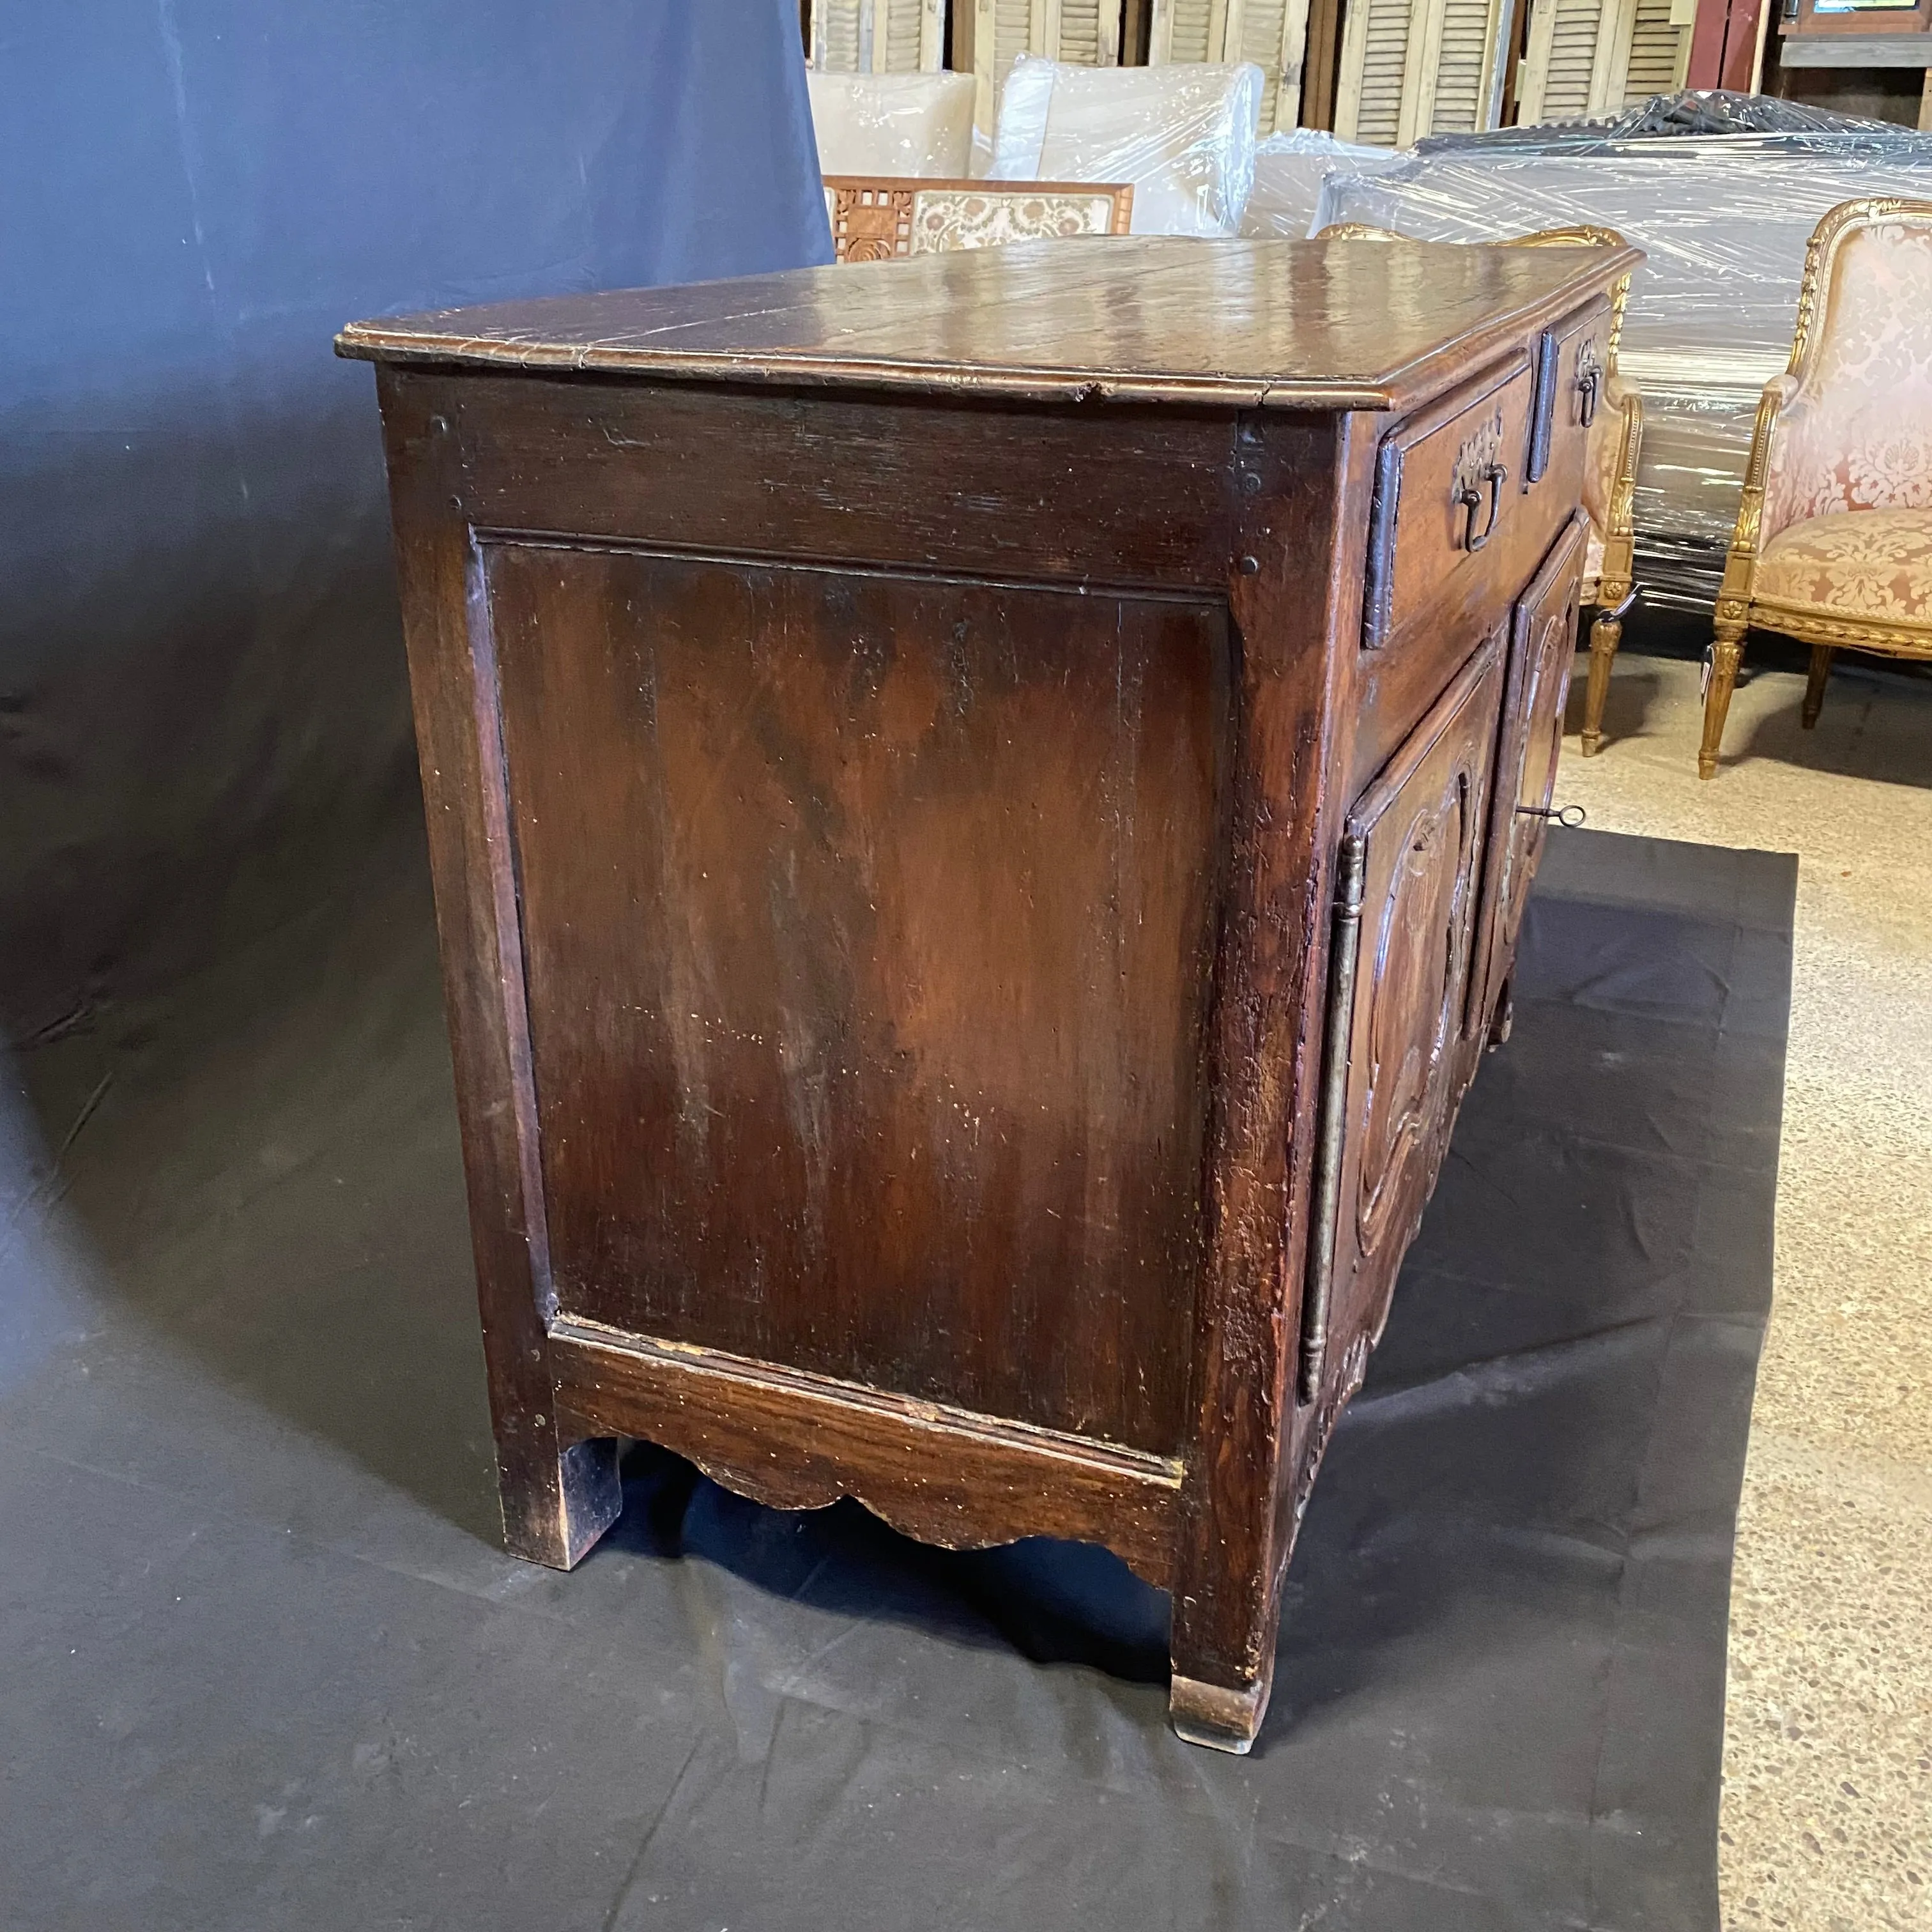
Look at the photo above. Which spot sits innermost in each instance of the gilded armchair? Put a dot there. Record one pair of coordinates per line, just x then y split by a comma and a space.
1610, 482
1833, 539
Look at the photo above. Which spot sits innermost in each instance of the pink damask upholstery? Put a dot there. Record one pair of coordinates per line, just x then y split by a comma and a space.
1855, 433
1834, 537
1874, 564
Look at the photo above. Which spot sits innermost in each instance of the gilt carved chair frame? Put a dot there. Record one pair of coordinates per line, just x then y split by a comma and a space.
1614, 451
1739, 607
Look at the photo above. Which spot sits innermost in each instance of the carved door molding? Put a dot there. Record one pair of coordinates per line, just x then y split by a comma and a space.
1411, 854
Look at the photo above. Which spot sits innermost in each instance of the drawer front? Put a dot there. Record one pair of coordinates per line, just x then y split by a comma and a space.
1406, 918
1542, 646
1570, 373
1449, 484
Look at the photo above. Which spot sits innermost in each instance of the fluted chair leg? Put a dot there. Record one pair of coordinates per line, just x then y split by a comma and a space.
1605, 633
1727, 650
1814, 690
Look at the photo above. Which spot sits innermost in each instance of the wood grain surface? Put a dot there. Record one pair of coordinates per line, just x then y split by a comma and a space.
1245, 323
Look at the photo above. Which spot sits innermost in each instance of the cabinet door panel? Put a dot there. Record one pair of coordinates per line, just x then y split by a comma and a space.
1543, 646
1414, 841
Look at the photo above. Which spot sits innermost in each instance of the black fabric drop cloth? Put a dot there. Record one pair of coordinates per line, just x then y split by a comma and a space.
262, 1664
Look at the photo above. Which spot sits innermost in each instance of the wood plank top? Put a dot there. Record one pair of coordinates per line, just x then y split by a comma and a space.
1135, 318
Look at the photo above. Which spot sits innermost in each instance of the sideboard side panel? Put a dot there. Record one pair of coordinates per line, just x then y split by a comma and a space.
868, 926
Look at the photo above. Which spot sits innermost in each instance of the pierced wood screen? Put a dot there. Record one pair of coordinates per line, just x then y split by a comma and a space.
1590, 57
1273, 33
878, 36
1412, 68
1087, 32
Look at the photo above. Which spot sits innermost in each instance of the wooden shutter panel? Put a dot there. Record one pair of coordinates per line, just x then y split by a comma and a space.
1087, 32
1659, 54
878, 36
1588, 58
1272, 34
1412, 68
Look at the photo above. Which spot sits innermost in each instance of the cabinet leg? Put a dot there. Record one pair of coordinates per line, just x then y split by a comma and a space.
1727, 649
1219, 1693
1605, 633
556, 1506
1821, 671
1502, 1022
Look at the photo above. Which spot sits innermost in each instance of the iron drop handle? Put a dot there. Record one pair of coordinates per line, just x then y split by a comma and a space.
1471, 498
1590, 387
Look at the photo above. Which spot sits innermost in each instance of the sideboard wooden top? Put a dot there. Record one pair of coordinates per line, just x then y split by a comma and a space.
1249, 323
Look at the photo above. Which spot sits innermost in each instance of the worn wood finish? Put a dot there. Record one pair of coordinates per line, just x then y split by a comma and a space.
1245, 324
901, 752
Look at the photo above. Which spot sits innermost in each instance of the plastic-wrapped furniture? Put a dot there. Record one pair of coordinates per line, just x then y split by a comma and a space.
892, 123
1610, 410
1833, 539
1723, 221
1272, 34
1080, 33
1184, 137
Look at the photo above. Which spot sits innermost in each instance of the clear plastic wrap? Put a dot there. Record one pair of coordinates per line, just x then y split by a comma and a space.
1289, 171
892, 123
1183, 136
1723, 221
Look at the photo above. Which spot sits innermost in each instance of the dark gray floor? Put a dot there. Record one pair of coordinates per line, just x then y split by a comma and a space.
261, 1665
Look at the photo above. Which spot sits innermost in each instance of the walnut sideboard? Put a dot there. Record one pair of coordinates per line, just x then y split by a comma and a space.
980, 809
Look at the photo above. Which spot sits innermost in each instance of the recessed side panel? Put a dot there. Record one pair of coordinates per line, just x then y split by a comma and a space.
868, 922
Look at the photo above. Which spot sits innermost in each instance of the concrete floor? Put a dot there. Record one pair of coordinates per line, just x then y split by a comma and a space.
1827, 1816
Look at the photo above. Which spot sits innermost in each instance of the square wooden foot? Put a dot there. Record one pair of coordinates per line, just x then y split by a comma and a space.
1214, 1715
555, 1507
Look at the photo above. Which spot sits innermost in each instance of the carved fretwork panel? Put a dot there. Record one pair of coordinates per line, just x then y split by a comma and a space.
1420, 826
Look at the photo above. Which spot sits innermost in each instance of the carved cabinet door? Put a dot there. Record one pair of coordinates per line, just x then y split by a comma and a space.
1542, 646
1411, 865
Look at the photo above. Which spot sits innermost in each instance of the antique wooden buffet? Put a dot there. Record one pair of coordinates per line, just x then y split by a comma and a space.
980, 809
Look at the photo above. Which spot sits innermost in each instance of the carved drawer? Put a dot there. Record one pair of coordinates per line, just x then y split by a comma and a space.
1570, 372
1410, 857
1542, 646
1449, 484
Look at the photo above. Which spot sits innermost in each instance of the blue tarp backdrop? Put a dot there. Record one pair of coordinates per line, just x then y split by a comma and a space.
201, 674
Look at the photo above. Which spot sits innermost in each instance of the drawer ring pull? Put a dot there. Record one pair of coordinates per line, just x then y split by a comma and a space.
1589, 387
1471, 498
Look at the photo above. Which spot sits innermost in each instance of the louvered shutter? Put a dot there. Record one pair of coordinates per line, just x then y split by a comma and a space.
1271, 34
1588, 58
878, 36
1412, 68
1659, 52
1462, 88
1086, 32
